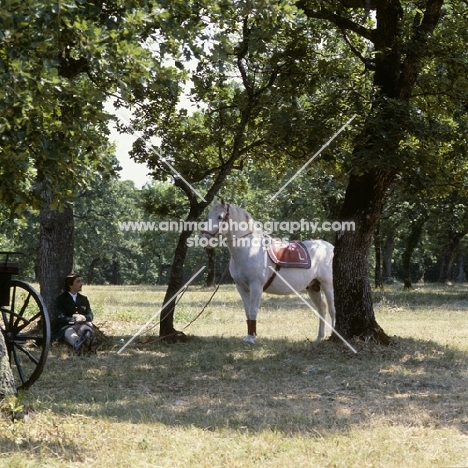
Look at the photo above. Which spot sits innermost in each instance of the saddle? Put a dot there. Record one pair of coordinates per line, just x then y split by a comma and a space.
293, 254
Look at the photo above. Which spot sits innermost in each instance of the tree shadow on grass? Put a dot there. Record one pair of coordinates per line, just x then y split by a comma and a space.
290, 387
430, 294
201, 297
32, 448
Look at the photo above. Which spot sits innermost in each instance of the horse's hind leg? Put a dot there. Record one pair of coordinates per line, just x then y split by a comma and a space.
328, 291
320, 304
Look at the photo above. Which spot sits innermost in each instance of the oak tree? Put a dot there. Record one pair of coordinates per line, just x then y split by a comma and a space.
407, 49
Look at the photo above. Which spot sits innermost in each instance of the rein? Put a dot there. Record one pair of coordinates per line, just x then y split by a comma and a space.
179, 297
209, 300
183, 292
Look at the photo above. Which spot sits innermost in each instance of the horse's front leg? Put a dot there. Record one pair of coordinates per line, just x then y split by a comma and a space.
251, 300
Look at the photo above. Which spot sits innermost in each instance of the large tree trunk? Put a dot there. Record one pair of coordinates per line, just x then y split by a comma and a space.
55, 253
394, 79
176, 275
176, 281
453, 242
353, 298
7, 381
387, 259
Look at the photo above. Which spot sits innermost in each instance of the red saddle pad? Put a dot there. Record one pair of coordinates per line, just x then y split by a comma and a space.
293, 254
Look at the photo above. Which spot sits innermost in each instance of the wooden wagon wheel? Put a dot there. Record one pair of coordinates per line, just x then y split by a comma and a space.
26, 327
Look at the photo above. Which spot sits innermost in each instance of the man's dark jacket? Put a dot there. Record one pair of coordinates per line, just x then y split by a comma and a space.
65, 307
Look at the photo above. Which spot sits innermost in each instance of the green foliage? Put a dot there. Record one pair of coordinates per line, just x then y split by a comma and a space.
253, 86
235, 106
103, 254
106, 254
50, 135
59, 62
322, 71
19, 234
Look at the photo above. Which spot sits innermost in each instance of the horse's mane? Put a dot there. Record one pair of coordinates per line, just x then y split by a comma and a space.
240, 213
235, 212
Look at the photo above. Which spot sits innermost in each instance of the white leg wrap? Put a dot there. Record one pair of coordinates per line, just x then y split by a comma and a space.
250, 339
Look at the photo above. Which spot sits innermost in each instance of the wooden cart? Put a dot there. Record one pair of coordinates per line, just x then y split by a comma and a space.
24, 323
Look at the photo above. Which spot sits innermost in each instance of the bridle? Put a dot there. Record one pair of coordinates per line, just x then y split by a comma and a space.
224, 220
226, 217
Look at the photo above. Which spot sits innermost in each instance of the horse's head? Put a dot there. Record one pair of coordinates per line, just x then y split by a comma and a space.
217, 220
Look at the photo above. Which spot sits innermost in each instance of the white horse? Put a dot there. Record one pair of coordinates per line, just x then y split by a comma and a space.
250, 262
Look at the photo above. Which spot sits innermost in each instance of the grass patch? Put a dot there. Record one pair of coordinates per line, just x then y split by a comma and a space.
216, 402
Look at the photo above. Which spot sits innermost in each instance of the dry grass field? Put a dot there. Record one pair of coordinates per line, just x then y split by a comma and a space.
216, 402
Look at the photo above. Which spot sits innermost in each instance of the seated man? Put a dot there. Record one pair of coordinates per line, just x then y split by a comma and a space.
74, 316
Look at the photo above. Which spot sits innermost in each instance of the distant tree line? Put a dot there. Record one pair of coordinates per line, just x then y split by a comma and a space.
414, 242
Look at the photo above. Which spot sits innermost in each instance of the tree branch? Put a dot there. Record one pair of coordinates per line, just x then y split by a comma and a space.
271, 82
70, 67
337, 19
241, 53
367, 62
417, 46
364, 4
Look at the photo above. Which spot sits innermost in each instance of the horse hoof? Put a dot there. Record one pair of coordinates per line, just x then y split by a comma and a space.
250, 339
